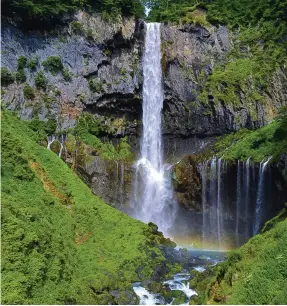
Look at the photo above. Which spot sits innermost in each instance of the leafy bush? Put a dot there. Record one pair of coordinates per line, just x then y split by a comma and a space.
89, 128
40, 80
77, 27
67, 75
28, 92
46, 10
22, 62
43, 128
53, 64
6, 76
20, 76
96, 85
32, 64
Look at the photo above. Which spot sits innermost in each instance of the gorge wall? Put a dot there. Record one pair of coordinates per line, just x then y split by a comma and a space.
101, 73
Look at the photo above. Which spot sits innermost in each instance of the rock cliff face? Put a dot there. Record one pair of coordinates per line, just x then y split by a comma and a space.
190, 54
111, 180
103, 62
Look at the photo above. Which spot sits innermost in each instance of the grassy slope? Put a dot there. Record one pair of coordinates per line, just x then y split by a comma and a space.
267, 141
256, 273
60, 243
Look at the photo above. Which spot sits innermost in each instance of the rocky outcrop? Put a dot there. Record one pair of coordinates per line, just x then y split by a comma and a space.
111, 180
102, 60
187, 183
190, 54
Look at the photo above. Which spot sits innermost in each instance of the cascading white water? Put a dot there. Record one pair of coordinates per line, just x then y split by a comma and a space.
247, 191
260, 195
116, 181
212, 201
61, 140
180, 282
122, 183
219, 204
238, 201
153, 192
205, 221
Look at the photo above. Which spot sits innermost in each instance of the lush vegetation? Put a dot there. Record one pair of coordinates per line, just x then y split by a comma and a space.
253, 274
270, 140
231, 12
28, 92
60, 243
89, 129
40, 80
7, 76
53, 64
52, 11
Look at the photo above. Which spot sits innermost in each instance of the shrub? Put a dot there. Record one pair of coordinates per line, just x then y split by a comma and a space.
28, 92
40, 80
20, 76
234, 256
53, 64
95, 85
22, 62
67, 75
77, 27
6, 76
50, 126
32, 64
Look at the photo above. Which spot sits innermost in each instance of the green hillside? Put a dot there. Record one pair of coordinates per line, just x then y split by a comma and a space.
60, 243
256, 273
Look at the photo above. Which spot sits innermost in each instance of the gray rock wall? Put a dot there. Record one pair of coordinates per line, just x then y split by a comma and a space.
190, 53
109, 55
93, 50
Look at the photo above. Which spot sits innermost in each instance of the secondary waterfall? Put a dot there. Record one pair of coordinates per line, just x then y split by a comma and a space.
234, 201
238, 201
153, 194
260, 194
60, 139
212, 202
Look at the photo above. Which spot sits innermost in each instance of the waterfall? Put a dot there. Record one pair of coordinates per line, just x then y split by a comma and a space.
247, 195
50, 140
155, 201
238, 201
212, 202
219, 204
116, 181
213, 197
122, 182
61, 140
205, 224
260, 195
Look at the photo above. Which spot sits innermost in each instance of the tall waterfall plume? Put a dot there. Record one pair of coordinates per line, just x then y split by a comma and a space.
153, 196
